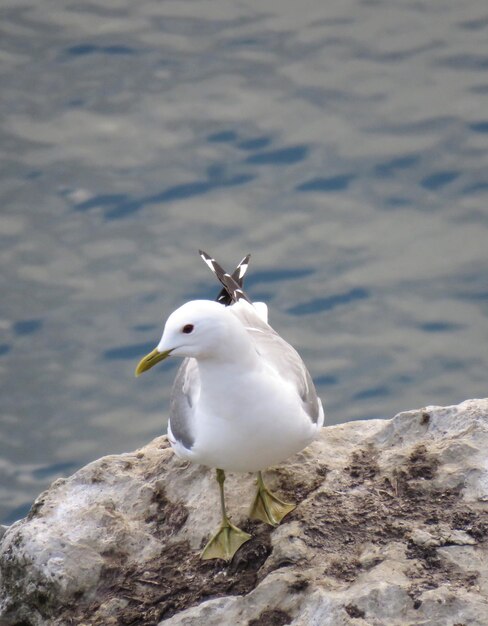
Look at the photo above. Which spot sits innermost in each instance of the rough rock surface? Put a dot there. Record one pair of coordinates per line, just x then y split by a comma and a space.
391, 529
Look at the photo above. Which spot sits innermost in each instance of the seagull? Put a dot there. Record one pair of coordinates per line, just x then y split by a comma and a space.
242, 400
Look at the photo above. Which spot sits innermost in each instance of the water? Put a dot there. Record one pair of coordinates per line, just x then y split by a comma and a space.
343, 144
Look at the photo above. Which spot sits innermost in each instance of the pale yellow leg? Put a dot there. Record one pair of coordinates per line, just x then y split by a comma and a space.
267, 507
228, 539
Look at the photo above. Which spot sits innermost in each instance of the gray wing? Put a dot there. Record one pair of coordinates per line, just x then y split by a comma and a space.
281, 356
184, 395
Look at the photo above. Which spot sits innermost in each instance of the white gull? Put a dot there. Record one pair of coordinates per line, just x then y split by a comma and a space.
242, 400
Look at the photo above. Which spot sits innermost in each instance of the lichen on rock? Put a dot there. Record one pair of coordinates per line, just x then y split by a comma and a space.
391, 528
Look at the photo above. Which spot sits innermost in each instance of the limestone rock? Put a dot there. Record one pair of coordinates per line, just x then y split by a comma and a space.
391, 529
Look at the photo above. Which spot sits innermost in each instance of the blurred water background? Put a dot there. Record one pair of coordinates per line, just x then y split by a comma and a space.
343, 143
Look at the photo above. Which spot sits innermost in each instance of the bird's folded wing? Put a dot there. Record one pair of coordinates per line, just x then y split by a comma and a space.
184, 396
280, 356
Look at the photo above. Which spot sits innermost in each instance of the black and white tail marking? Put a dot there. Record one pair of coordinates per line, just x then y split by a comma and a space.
238, 276
232, 291
241, 269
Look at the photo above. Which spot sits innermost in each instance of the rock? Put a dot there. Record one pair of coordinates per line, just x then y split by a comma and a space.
391, 529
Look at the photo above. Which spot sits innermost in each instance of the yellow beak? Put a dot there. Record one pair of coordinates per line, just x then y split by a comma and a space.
150, 360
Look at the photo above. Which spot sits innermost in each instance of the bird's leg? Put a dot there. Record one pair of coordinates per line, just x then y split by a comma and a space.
267, 507
228, 539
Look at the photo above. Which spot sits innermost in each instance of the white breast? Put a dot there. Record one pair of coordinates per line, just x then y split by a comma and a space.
248, 428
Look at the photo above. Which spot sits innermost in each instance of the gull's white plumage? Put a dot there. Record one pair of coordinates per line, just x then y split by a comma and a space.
243, 399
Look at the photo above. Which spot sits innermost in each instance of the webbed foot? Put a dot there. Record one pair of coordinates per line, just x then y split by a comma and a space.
225, 543
267, 507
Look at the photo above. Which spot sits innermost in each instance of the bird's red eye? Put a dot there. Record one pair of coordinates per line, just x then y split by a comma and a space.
187, 329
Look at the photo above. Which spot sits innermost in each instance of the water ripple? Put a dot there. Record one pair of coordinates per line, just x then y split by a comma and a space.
326, 185
437, 180
27, 327
284, 273
283, 156
479, 127
54, 469
255, 143
330, 302
372, 392
132, 351
224, 136
387, 168
466, 62
439, 327
84, 49
102, 200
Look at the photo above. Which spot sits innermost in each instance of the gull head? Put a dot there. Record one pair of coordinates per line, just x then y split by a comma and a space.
198, 329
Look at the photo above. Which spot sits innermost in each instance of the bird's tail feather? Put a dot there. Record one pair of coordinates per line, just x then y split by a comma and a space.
232, 284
